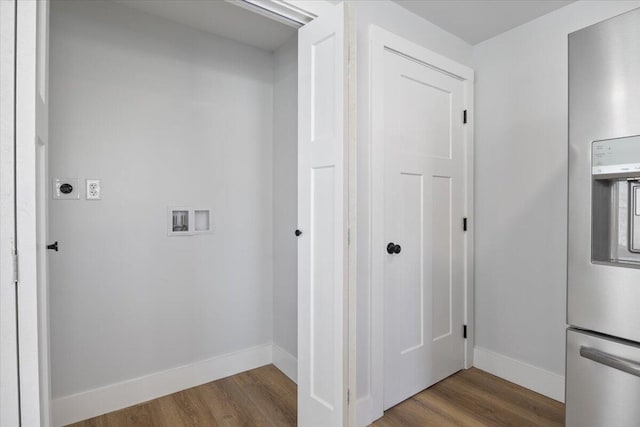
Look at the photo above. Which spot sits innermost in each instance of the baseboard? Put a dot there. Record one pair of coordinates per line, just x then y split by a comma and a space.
284, 361
532, 377
80, 406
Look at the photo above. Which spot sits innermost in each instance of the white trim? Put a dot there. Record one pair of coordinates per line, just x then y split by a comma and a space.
381, 40
469, 213
26, 221
42, 206
524, 374
364, 410
386, 39
351, 83
312, 8
87, 404
278, 11
376, 209
9, 415
284, 361
294, 13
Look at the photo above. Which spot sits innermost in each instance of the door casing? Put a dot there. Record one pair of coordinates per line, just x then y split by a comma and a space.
32, 306
9, 395
32, 30
381, 40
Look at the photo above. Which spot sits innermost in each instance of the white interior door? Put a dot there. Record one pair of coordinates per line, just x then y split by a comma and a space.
424, 195
322, 217
9, 412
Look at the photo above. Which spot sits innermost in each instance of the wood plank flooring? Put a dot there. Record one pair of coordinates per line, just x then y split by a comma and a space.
266, 397
475, 398
260, 397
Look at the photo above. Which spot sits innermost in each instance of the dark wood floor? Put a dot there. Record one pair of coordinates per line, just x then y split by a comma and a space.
266, 397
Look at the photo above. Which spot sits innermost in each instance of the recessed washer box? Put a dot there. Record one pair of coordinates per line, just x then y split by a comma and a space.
187, 221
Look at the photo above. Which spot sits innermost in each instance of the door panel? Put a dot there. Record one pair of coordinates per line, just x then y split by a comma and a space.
411, 331
322, 218
426, 101
441, 257
323, 285
323, 89
424, 198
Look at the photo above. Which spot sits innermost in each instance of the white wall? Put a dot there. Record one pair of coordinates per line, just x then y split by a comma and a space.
179, 300
391, 17
163, 115
285, 197
521, 185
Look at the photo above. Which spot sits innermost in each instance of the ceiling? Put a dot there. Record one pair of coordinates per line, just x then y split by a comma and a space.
472, 20
221, 18
478, 20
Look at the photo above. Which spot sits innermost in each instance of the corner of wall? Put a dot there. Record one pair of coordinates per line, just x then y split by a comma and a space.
91, 403
532, 377
285, 362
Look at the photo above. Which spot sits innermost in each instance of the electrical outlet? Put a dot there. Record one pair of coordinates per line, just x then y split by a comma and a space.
65, 188
93, 189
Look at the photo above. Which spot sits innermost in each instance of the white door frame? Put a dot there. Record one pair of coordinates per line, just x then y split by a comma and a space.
381, 40
30, 306
9, 394
42, 204
36, 396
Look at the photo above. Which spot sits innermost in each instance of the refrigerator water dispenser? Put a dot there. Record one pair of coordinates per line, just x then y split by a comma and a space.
616, 201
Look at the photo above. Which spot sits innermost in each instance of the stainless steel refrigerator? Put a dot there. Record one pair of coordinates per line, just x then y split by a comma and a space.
603, 300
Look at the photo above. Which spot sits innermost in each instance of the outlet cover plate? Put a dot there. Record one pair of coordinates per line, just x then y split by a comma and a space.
60, 189
93, 189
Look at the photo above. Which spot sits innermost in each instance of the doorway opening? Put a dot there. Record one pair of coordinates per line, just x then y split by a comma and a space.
422, 258
172, 178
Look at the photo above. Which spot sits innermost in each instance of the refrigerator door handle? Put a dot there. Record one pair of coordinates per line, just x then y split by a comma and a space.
615, 362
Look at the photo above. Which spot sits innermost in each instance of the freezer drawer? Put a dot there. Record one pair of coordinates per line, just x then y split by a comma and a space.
603, 381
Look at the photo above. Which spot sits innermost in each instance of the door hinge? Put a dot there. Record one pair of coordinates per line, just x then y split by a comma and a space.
464, 117
16, 275
348, 236
348, 396
464, 331
464, 224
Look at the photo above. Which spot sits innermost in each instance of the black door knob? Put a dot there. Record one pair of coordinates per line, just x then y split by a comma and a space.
53, 246
298, 233
392, 248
